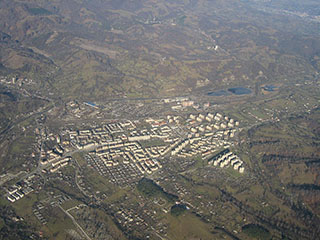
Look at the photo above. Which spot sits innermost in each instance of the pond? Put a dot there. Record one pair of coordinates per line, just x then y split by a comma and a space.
269, 88
218, 93
10, 95
239, 90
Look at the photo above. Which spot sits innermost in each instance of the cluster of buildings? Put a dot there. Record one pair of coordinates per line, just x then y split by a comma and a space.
15, 194
16, 81
121, 174
142, 217
40, 209
227, 158
21, 189
53, 159
90, 138
203, 146
126, 150
60, 163
37, 211
180, 103
126, 218
80, 110
212, 122
205, 134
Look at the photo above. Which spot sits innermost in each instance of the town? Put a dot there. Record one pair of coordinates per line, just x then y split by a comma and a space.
93, 148
121, 150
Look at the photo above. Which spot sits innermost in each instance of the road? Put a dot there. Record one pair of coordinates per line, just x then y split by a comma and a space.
10, 176
75, 223
11, 125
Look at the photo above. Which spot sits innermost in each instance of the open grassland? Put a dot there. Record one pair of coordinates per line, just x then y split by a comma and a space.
188, 226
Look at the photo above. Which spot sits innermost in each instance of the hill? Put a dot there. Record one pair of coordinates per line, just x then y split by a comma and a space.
98, 49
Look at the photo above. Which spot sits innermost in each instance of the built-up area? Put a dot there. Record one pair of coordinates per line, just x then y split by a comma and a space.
126, 150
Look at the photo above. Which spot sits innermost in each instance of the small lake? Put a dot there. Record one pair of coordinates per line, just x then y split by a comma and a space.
269, 88
239, 90
218, 93
10, 95
229, 91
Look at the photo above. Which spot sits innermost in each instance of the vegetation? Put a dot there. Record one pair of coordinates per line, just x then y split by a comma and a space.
150, 189
256, 232
178, 209
89, 68
113, 51
188, 226
13, 227
39, 11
